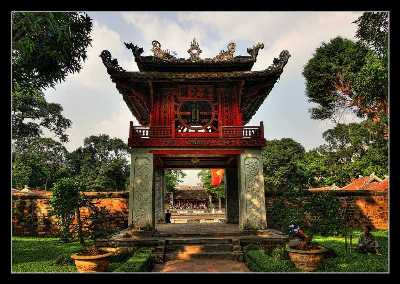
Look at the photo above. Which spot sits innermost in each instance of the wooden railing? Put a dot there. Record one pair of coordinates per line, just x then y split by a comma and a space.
147, 132
241, 132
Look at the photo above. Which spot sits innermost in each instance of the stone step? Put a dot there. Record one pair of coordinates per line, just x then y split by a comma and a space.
203, 255
198, 241
191, 235
200, 247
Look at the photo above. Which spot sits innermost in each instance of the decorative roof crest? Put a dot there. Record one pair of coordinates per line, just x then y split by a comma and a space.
194, 50
281, 61
159, 53
226, 55
136, 50
111, 64
254, 50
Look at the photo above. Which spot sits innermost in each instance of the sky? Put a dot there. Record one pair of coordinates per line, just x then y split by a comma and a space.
93, 104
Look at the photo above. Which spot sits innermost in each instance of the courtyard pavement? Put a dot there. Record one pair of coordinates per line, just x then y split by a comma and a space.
201, 265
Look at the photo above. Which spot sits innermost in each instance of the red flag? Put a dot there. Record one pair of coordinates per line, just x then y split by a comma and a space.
217, 175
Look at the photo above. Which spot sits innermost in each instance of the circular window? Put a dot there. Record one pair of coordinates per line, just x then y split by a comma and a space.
195, 115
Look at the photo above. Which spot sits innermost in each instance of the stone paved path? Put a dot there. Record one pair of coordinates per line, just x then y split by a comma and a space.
201, 265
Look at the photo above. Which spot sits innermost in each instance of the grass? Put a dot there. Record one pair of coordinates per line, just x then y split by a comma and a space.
34, 254
258, 260
356, 262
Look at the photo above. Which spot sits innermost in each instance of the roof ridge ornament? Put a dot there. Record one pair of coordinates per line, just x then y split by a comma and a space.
194, 50
111, 64
159, 53
280, 62
136, 50
226, 55
253, 51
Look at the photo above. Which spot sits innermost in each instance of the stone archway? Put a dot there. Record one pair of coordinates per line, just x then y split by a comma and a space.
245, 198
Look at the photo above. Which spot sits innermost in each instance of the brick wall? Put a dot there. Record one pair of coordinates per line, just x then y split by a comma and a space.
31, 212
364, 206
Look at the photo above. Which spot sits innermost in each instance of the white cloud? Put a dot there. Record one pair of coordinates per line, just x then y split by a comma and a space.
171, 34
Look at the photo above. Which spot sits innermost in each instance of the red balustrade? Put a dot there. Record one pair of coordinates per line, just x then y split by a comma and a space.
240, 132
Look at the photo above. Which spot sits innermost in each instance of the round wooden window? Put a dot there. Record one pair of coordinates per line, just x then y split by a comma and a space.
195, 115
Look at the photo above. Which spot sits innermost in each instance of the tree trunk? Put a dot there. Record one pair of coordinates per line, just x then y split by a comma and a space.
79, 221
210, 203
219, 203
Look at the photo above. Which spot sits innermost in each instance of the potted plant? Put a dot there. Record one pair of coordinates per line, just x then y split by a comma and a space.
92, 259
305, 255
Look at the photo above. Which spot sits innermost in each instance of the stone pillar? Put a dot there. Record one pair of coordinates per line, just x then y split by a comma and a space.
252, 213
231, 196
141, 210
159, 195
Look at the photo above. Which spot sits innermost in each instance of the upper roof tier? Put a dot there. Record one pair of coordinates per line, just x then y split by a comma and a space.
165, 61
163, 68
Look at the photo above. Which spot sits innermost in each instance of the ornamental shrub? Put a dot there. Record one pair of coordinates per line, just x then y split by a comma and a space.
64, 202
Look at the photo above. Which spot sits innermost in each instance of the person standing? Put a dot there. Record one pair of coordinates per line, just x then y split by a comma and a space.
168, 217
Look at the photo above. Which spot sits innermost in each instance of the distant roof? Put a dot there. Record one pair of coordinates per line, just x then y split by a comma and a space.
200, 195
189, 187
371, 182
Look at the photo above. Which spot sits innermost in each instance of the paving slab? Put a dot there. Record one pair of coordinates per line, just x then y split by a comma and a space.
201, 265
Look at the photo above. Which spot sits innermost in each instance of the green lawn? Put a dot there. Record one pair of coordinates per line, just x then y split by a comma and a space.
32, 254
356, 262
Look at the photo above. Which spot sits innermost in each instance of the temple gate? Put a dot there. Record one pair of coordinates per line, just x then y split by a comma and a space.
193, 114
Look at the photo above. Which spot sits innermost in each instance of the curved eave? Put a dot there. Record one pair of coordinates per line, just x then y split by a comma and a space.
265, 75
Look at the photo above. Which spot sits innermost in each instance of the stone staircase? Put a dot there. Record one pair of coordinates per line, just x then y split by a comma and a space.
195, 248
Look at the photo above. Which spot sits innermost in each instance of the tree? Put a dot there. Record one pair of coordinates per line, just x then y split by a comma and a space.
329, 74
31, 113
350, 150
172, 179
101, 163
38, 163
280, 158
65, 202
46, 47
213, 191
372, 30
344, 74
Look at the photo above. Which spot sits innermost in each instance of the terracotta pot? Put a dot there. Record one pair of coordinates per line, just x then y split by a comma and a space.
92, 263
307, 260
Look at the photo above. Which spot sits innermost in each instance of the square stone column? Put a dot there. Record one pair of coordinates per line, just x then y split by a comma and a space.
141, 204
252, 213
159, 195
231, 196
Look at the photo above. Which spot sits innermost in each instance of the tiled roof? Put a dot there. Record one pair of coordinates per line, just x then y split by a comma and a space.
191, 195
371, 182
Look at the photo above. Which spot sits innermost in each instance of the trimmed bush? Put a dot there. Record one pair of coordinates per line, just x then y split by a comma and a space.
251, 247
141, 261
259, 261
